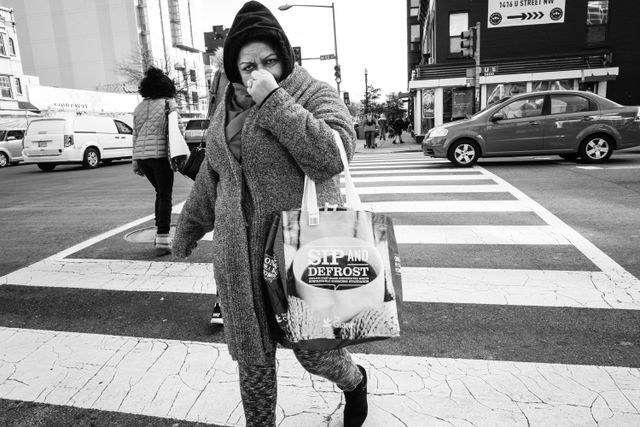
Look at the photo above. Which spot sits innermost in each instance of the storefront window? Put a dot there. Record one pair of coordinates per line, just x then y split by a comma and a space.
501, 91
553, 85
428, 102
457, 103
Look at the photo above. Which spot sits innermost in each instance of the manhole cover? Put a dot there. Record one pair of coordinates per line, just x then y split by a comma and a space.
145, 235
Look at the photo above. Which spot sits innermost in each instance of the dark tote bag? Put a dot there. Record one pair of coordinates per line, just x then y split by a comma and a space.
332, 274
191, 166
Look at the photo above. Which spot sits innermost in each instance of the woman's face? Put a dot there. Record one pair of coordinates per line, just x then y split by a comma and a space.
259, 56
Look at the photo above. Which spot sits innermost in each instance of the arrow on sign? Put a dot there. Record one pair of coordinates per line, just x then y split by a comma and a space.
527, 16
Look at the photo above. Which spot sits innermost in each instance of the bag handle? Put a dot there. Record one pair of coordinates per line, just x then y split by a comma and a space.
309, 194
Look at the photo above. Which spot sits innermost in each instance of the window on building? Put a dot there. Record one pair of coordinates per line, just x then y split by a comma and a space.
458, 22
192, 75
174, 20
5, 87
194, 98
3, 48
12, 47
414, 8
597, 22
415, 33
18, 86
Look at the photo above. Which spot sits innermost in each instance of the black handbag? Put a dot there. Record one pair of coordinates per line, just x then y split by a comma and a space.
191, 166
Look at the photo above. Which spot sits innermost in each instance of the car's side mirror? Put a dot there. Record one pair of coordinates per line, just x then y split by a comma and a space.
497, 117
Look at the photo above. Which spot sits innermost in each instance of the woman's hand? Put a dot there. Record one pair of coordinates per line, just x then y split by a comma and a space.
261, 84
136, 168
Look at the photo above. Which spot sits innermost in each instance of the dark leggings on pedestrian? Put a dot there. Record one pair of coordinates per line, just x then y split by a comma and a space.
258, 383
160, 175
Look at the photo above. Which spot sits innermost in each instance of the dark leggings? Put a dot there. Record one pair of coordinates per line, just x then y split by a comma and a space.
258, 383
160, 175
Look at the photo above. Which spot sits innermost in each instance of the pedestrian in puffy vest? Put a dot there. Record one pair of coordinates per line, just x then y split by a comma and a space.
274, 124
150, 148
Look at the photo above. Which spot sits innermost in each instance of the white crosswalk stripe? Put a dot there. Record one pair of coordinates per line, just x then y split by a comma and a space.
197, 381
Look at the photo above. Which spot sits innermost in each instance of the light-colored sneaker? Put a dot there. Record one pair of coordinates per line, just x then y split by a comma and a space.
163, 244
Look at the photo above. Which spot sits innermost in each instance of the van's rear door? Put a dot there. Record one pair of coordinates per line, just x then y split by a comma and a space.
45, 137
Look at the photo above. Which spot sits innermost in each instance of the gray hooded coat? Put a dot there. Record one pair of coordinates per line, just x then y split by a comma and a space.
286, 137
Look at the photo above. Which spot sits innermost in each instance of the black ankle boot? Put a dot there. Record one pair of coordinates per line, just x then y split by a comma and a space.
356, 407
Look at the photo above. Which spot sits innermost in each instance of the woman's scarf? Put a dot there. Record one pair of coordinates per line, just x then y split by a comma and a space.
237, 111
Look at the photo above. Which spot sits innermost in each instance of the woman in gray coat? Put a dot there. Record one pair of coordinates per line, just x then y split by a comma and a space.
275, 127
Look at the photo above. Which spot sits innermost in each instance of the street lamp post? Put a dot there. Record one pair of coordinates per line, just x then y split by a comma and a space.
335, 39
366, 93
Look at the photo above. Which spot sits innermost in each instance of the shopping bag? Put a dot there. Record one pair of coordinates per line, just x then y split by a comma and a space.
177, 145
332, 274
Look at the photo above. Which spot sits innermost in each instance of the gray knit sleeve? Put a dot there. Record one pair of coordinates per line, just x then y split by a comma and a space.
305, 130
198, 214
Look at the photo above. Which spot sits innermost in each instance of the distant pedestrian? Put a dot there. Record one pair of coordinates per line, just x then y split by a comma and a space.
382, 124
398, 126
150, 148
369, 126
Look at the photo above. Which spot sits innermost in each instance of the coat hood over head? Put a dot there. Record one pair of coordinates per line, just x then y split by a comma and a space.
254, 22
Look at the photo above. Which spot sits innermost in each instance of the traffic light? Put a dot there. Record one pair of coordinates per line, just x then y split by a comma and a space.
297, 55
468, 43
346, 98
337, 74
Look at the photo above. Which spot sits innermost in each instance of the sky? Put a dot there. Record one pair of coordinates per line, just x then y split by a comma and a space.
371, 35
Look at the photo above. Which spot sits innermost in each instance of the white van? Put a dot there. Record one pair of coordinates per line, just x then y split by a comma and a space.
81, 139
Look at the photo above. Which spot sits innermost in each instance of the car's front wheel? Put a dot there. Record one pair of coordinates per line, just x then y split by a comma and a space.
464, 153
47, 167
91, 158
596, 148
4, 159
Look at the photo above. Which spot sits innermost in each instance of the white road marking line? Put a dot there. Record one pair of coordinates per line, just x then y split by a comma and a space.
450, 206
116, 275
370, 179
582, 289
197, 381
418, 189
479, 235
607, 167
595, 255
412, 172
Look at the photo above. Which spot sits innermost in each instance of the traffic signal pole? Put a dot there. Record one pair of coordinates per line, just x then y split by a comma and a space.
476, 56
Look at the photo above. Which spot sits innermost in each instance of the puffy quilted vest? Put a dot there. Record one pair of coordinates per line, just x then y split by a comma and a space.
150, 127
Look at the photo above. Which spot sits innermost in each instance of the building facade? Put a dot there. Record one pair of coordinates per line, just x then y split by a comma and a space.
13, 81
86, 45
524, 46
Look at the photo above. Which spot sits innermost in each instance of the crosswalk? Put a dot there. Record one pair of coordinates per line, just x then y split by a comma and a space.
473, 247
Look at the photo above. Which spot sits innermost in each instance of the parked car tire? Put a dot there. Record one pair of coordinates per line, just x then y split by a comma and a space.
47, 167
464, 153
4, 159
91, 158
596, 148
570, 156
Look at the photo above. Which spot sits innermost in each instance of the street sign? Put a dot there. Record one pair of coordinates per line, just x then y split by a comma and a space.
330, 56
511, 13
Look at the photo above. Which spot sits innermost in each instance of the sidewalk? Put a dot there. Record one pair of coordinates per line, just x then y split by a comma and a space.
387, 146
